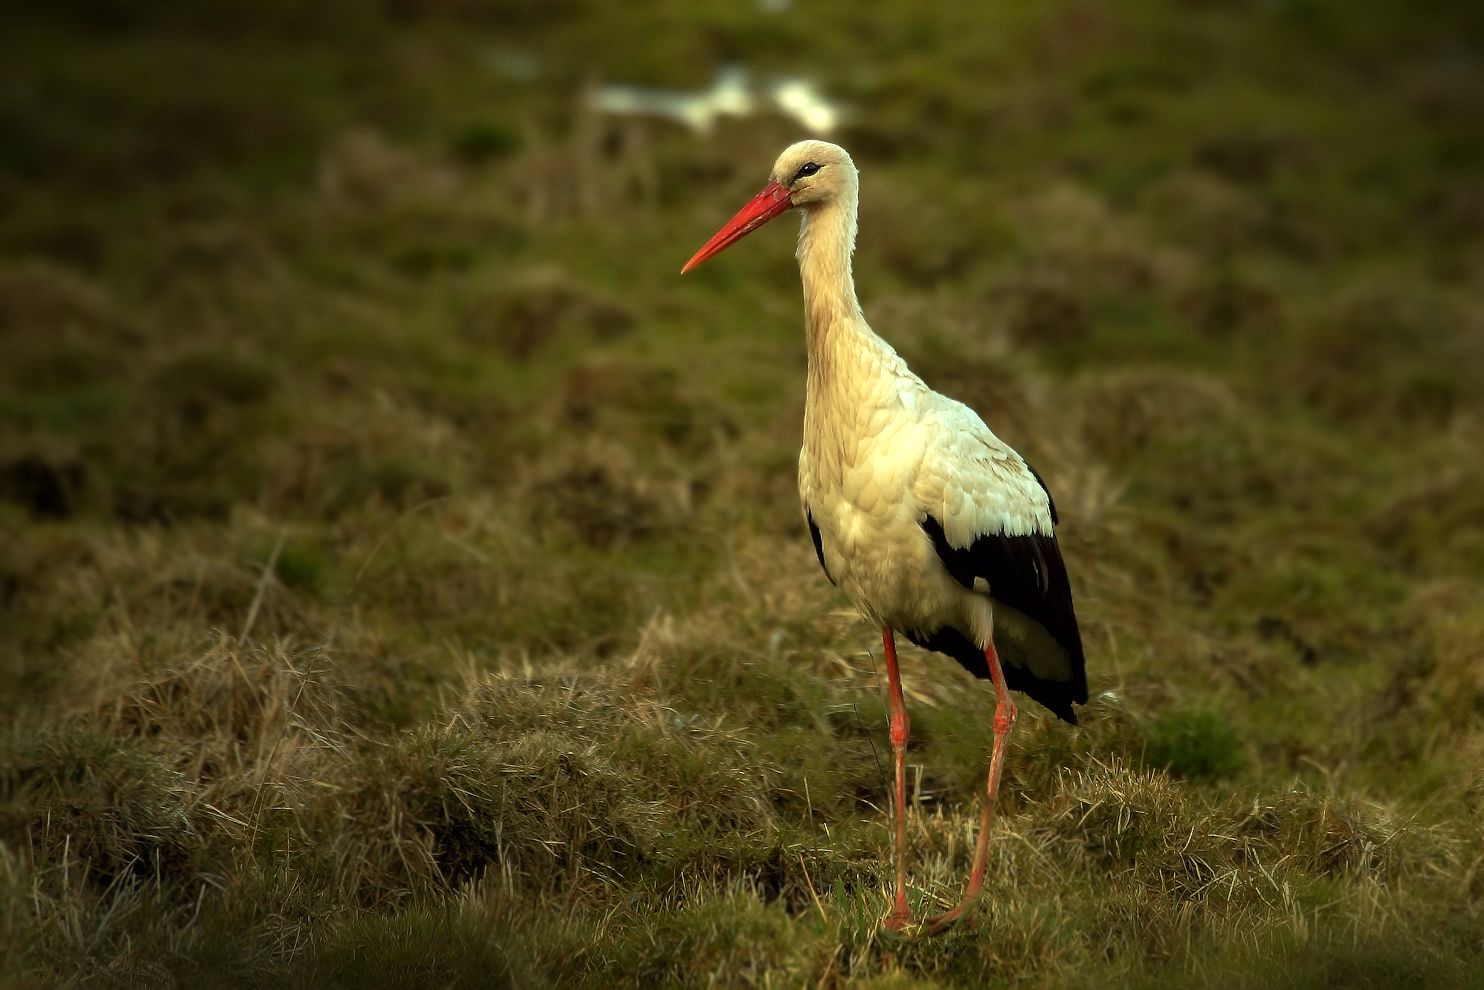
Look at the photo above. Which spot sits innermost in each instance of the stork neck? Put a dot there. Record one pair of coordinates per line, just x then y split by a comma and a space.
826, 242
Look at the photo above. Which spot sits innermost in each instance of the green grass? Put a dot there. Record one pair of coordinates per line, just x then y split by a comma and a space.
402, 581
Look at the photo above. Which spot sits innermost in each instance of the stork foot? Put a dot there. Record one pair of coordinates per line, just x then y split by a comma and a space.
940, 923
898, 921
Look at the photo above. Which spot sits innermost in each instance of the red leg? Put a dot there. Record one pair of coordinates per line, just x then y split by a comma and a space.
1004, 721
900, 727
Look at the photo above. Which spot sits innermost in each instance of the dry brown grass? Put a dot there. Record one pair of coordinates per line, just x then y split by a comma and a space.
402, 581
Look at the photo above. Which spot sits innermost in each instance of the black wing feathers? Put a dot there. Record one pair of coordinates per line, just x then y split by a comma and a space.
818, 546
1055, 695
1027, 574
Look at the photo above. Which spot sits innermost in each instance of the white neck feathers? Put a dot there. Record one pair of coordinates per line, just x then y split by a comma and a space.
826, 242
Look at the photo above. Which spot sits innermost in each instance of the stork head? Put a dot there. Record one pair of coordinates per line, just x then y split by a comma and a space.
810, 175
815, 173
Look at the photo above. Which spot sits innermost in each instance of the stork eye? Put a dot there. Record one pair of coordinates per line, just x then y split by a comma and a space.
807, 169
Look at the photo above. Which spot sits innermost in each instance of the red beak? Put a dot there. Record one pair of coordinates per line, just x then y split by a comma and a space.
766, 205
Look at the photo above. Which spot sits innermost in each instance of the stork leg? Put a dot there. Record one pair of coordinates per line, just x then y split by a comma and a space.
900, 727
1004, 721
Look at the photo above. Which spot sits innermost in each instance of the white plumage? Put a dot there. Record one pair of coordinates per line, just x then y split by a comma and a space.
928, 522
881, 452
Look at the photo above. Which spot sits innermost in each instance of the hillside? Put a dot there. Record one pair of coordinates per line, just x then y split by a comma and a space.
402, 580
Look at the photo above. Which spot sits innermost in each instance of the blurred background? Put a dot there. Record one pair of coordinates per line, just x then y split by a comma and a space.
402, 579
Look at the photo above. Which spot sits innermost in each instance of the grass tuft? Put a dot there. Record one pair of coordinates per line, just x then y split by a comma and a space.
402, 580
103, 806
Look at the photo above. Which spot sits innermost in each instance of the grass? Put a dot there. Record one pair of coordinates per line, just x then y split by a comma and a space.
402, 581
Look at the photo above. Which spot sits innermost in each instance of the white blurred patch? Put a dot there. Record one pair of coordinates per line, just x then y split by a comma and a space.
731, 95
802, 100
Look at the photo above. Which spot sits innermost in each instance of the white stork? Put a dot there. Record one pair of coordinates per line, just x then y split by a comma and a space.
933, 526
